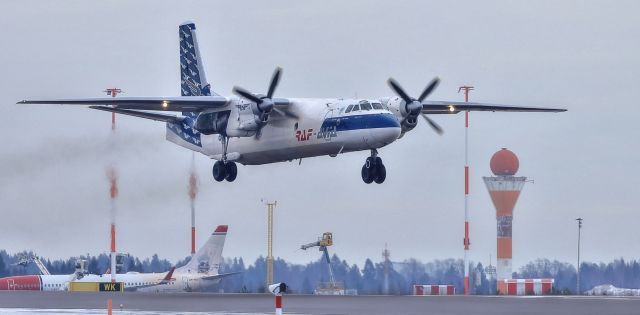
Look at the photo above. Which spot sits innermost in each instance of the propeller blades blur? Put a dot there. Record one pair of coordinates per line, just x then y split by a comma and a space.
275, 79
432, 86
433, 125
246, 94
413, 106
265, 104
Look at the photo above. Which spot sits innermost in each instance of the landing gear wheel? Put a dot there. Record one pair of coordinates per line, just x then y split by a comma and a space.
231, 170
368, 171
219, 171
381, 173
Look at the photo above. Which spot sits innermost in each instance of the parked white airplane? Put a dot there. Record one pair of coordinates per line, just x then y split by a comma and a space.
201, 272
257, 129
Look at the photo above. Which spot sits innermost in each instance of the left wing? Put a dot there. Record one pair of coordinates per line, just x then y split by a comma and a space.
174, 104
442, 107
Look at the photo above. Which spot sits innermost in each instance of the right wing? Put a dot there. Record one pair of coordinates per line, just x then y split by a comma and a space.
444, 107
174, 104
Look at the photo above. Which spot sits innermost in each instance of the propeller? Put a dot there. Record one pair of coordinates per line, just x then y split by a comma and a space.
413, 107
265, 103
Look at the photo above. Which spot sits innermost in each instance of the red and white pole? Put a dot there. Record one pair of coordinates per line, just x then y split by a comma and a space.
278, 304
113, 191
466, 90
193, 191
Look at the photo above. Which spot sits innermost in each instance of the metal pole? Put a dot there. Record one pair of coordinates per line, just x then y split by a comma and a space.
578, 277
113, 179
270, 206
466, 241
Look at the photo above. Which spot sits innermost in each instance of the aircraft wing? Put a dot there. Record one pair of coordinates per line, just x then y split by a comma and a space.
442, 107
174, 104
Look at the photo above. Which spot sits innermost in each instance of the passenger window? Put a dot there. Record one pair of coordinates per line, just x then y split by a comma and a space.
349, 109
356, 108
365, 106
377, 105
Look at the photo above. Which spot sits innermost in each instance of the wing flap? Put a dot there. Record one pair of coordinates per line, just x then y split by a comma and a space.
442, 107
176, 103
147, 115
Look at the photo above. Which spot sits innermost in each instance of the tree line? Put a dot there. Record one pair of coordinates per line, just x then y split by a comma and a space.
368, 279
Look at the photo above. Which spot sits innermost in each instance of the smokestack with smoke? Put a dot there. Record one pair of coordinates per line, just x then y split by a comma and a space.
193, 192
113, 191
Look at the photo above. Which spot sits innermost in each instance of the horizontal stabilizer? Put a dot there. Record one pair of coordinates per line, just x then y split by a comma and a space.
175, 103
442, 107
220, 276
147, 115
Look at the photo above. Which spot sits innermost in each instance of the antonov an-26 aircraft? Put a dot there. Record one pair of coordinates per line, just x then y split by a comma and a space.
254, 129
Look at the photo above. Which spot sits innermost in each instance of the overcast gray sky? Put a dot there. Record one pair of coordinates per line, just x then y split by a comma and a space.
582, 55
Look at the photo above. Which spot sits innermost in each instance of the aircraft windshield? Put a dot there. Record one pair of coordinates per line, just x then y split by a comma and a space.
349, 108
377, 106
365, 105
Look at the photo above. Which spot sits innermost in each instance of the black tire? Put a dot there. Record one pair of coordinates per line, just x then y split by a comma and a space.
381, 171
232, 171
367, 175
219, 171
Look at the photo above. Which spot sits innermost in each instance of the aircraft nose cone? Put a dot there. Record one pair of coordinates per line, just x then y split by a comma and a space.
385, 130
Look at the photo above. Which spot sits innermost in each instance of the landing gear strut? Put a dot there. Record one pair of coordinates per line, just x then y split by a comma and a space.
373, 170
225, 169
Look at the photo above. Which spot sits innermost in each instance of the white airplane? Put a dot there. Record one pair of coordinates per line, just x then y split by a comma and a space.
200, 273
255, 129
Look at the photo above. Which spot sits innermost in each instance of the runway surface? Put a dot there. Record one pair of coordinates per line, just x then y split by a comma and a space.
148, 303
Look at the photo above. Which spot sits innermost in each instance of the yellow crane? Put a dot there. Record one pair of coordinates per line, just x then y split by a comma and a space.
322, 244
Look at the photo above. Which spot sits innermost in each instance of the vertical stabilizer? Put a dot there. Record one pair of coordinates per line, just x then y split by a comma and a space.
208, 258
193, 80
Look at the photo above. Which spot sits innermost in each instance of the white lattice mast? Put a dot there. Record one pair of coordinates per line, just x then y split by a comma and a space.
193, 191
466, 90
270, 206
386, 255
113, 189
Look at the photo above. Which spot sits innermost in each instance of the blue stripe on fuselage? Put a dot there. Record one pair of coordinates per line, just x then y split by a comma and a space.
355, 122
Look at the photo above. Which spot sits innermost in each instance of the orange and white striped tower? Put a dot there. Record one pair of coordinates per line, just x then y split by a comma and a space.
113, 190
504, 189
466, 89
193, 191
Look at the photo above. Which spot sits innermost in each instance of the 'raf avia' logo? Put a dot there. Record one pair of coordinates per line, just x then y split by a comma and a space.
327, 133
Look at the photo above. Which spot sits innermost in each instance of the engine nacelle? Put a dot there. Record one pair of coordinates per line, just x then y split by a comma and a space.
246, 119
212, 123
398, 107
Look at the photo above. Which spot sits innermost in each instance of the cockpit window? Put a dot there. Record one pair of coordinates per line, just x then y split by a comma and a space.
377, 106
349, 108
356, 108
366, 106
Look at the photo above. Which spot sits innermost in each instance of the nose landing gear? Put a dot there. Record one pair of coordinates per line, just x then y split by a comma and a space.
373, 170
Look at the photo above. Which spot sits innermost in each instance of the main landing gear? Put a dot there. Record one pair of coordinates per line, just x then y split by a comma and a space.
373, 170
225, 169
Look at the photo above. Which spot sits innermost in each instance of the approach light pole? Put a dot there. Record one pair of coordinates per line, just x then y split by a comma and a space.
466, 241
578, 277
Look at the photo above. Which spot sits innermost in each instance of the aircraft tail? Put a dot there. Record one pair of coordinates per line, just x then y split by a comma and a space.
193, 82
193, 79
208, 258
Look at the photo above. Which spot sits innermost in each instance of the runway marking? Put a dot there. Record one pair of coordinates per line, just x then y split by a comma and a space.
31, 311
